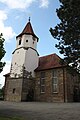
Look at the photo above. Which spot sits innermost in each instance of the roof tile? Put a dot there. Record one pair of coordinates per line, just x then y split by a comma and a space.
28, 30
49, 62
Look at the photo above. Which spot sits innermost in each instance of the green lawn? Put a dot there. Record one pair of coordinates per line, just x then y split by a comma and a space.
11, 118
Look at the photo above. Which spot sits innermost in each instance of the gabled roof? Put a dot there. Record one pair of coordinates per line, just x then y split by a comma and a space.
28, 30
49, 62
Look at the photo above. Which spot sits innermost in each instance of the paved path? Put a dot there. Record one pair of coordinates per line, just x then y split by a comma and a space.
41, 111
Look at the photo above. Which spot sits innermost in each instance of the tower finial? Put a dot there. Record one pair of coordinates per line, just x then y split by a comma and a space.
29, 19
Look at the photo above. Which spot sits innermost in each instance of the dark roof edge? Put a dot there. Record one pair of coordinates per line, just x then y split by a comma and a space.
25, 49
26, 34
50, 55
50, 68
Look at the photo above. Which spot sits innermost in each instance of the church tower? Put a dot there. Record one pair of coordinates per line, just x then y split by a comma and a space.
25, 55
20, 81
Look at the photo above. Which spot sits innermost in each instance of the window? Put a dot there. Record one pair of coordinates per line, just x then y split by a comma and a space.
42, 82
20, 42
34, 38
33, 42
26, 40
14, 90
54, 82
17, 52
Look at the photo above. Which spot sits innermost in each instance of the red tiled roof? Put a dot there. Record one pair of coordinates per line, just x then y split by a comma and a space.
28, 30
49, 62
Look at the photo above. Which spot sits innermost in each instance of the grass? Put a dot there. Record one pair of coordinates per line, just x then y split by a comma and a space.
11, 118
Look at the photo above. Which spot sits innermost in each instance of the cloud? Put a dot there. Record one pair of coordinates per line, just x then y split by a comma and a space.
3, 15
7, 31
16, 4
44, 3
6, 70
22, 4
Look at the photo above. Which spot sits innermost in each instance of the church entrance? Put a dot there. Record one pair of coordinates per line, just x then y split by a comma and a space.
30, 95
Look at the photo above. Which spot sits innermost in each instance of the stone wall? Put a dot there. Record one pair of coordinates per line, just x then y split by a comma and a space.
13, 89
28, 89
72, 83
49, 96
66, 84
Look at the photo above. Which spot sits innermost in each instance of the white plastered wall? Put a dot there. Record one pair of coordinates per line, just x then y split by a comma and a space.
31, 43
17, 62
27, 57
31, 60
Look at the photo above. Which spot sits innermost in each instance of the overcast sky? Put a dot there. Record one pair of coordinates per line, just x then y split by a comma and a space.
14, 16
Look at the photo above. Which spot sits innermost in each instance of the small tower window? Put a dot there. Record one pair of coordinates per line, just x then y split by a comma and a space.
34, 38
33, 42
26, 40
20, 42
14, 90
17, 52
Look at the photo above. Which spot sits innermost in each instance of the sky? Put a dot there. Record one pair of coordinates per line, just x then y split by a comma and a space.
14, 16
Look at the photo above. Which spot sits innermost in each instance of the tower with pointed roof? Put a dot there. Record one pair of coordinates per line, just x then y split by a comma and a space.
25, 55
25, 59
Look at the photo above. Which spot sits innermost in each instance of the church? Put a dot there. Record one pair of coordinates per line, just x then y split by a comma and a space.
34, 78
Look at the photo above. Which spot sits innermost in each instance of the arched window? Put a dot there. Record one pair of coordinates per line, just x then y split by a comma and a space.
42, 82
26, 40
13, 90
20, 42
54, 82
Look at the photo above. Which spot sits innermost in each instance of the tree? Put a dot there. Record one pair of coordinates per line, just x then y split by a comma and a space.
67, 32
2, 52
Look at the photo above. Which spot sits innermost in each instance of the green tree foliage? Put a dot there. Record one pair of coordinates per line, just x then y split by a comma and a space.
2, 52
67, 32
